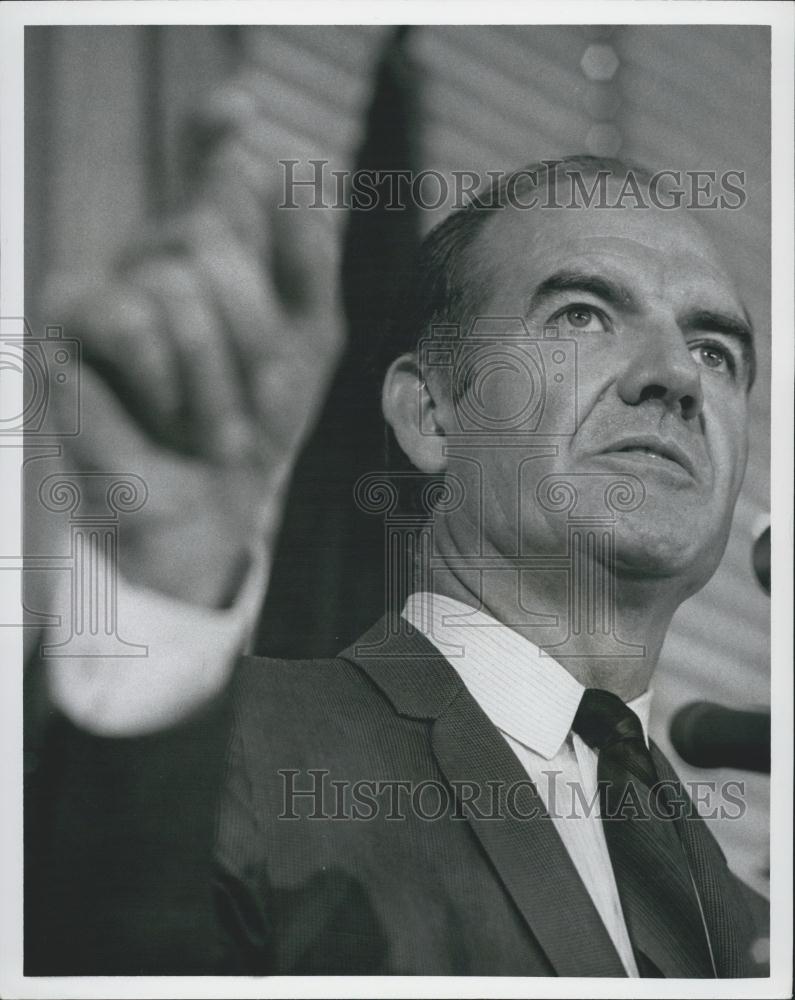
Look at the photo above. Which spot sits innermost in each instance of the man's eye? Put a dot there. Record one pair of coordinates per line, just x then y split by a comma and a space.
582, 318
713, 356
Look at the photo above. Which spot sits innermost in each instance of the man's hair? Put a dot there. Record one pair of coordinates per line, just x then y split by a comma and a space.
446, 284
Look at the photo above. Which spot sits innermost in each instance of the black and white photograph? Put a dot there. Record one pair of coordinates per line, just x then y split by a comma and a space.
397, 416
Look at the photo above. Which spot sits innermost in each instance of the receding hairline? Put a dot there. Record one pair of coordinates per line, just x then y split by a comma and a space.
479, 273
450, 279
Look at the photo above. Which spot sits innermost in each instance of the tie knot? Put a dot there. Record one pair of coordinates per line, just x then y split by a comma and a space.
603, 719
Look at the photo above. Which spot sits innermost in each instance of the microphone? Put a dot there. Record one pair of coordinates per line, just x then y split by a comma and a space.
760, 558
708, 735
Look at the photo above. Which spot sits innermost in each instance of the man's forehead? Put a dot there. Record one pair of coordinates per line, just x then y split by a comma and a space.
647, 246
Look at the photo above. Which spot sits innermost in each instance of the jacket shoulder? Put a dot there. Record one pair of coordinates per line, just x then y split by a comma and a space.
304, 696
259, 677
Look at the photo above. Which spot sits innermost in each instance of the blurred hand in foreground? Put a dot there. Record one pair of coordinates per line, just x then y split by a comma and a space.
205, 360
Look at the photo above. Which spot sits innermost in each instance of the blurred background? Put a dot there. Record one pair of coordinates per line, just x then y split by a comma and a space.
120, 120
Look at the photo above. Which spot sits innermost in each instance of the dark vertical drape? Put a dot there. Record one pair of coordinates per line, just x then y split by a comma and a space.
327, 581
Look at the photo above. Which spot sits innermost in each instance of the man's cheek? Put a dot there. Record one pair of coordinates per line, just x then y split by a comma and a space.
726, 427
597, 364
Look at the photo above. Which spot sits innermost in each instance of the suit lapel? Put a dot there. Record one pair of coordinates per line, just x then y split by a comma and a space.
722, 904
527, 853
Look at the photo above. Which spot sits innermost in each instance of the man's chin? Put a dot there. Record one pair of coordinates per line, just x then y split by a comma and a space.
664, 556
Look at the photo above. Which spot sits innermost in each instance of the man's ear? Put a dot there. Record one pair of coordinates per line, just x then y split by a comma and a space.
410, 410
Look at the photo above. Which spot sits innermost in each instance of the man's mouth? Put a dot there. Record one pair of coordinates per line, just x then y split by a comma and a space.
655, 449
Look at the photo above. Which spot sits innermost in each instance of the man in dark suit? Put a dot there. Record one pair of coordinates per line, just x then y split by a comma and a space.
575, 379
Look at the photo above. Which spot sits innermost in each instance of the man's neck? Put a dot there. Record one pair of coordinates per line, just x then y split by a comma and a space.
612, 643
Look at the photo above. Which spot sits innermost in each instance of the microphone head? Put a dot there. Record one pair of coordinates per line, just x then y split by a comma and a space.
760, 558
708, 735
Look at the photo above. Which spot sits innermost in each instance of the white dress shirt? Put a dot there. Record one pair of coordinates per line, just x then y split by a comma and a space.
532, 700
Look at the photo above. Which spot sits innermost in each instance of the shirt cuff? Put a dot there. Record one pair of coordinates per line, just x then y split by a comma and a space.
185, 657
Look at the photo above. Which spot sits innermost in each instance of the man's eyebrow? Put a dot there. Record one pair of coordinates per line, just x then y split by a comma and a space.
579, 281
730, 325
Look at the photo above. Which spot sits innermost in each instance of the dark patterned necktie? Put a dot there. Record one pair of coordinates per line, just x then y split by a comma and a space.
661, 907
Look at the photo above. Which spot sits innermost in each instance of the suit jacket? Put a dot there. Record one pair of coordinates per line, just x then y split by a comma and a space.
183, 868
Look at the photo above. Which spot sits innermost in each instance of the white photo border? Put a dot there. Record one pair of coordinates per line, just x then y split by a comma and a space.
14, 16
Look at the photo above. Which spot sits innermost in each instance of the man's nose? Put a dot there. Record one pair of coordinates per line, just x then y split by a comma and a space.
661, 367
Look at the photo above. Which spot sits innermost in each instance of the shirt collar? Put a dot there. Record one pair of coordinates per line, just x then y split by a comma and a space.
525, 692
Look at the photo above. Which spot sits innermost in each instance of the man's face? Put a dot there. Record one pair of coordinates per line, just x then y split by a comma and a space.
662, 374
